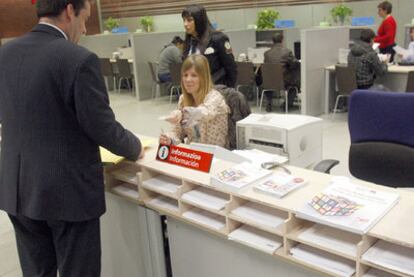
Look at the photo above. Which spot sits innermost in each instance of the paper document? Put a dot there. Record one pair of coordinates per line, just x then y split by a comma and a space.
393, 256
348, 206
331, 238
163, 183
279, 184
206, 218
206, 198
257, 157
108, 157
261, 215
239, 176
315, 257
126, 191
375, 45
256, 238
165, 203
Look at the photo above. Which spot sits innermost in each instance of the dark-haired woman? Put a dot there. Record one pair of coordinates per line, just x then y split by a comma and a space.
214, 45
387, 30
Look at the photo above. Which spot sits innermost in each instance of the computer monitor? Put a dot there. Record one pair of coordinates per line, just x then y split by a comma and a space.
296, 49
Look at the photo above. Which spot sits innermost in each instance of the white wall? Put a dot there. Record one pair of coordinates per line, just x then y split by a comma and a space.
305, 16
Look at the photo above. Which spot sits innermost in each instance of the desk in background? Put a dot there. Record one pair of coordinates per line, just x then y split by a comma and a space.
395, 80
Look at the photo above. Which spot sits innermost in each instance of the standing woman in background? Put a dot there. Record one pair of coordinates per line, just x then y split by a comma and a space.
201, 38
387, 30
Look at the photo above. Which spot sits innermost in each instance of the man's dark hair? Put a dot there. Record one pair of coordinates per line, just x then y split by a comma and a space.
53, 8
367, 35
201, 21
277, 38
386, 6
177, 40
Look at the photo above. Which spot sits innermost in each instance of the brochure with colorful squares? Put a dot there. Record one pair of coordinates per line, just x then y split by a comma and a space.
239, 176
279, 184
348, 206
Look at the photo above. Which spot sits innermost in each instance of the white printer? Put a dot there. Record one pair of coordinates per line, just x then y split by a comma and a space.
299, 137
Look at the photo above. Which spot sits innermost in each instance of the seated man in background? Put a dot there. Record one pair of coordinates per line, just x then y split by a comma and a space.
171, 53
280, 54
366, 61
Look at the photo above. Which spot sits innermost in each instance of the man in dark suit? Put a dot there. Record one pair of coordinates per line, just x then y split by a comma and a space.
280, 54
55, 113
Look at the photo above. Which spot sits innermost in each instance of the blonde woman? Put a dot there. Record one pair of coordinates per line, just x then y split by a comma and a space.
202, 112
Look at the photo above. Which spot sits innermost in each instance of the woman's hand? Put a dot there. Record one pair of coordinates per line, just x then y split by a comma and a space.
164, 139
174, 117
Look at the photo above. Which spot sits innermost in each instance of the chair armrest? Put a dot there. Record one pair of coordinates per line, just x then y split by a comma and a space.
325, 166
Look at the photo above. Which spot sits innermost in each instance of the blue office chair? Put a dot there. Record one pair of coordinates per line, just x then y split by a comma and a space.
381, 126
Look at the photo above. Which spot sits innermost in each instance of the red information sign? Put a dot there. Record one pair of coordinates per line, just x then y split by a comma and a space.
185, 157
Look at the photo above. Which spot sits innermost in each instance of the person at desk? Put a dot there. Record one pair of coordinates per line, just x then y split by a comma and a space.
409, 58
365, 60
53, 120
201, 38
171, 53
291, 75
203, 114
387, 30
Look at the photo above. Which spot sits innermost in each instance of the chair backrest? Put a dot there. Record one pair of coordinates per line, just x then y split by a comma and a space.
345, 79
382, 137
272, 75
175, 72
106, 67
239, 109
410, 82
124, 69
245, 73
153, 70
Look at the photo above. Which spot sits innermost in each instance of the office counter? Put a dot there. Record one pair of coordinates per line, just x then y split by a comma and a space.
201, 248
395, 80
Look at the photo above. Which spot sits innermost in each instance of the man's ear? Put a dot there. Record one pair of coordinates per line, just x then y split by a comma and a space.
69, 12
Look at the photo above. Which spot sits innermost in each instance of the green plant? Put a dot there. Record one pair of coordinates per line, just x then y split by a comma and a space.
147, 22
266, 19
111, 23
340, 13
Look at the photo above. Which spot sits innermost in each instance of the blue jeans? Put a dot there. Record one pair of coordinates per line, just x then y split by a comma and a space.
164, 77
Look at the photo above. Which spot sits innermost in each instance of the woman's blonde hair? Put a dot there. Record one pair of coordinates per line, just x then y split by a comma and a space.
202, 68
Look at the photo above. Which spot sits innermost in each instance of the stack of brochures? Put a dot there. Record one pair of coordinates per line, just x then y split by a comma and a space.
206, 198
162, 183
257, 239
260, 214
347, 206
164, 202
331, 238
328, 262
392, 256
373, 272
206, 218
279, 184
239, 176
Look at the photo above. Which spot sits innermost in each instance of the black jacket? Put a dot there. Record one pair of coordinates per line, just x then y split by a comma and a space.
216, 47
55, 113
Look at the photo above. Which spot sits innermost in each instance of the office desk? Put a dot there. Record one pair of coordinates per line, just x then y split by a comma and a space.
200, 249
395, 80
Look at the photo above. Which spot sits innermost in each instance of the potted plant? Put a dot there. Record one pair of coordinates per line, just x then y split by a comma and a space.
266, 19
111, 23
340, 13
147, 22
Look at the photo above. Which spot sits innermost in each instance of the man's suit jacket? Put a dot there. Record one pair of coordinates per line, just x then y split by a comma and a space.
280, 54
55, 113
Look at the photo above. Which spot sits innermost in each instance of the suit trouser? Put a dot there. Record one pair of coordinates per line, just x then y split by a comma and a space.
44, 247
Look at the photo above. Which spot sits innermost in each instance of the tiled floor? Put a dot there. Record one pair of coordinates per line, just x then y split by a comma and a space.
142, 117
